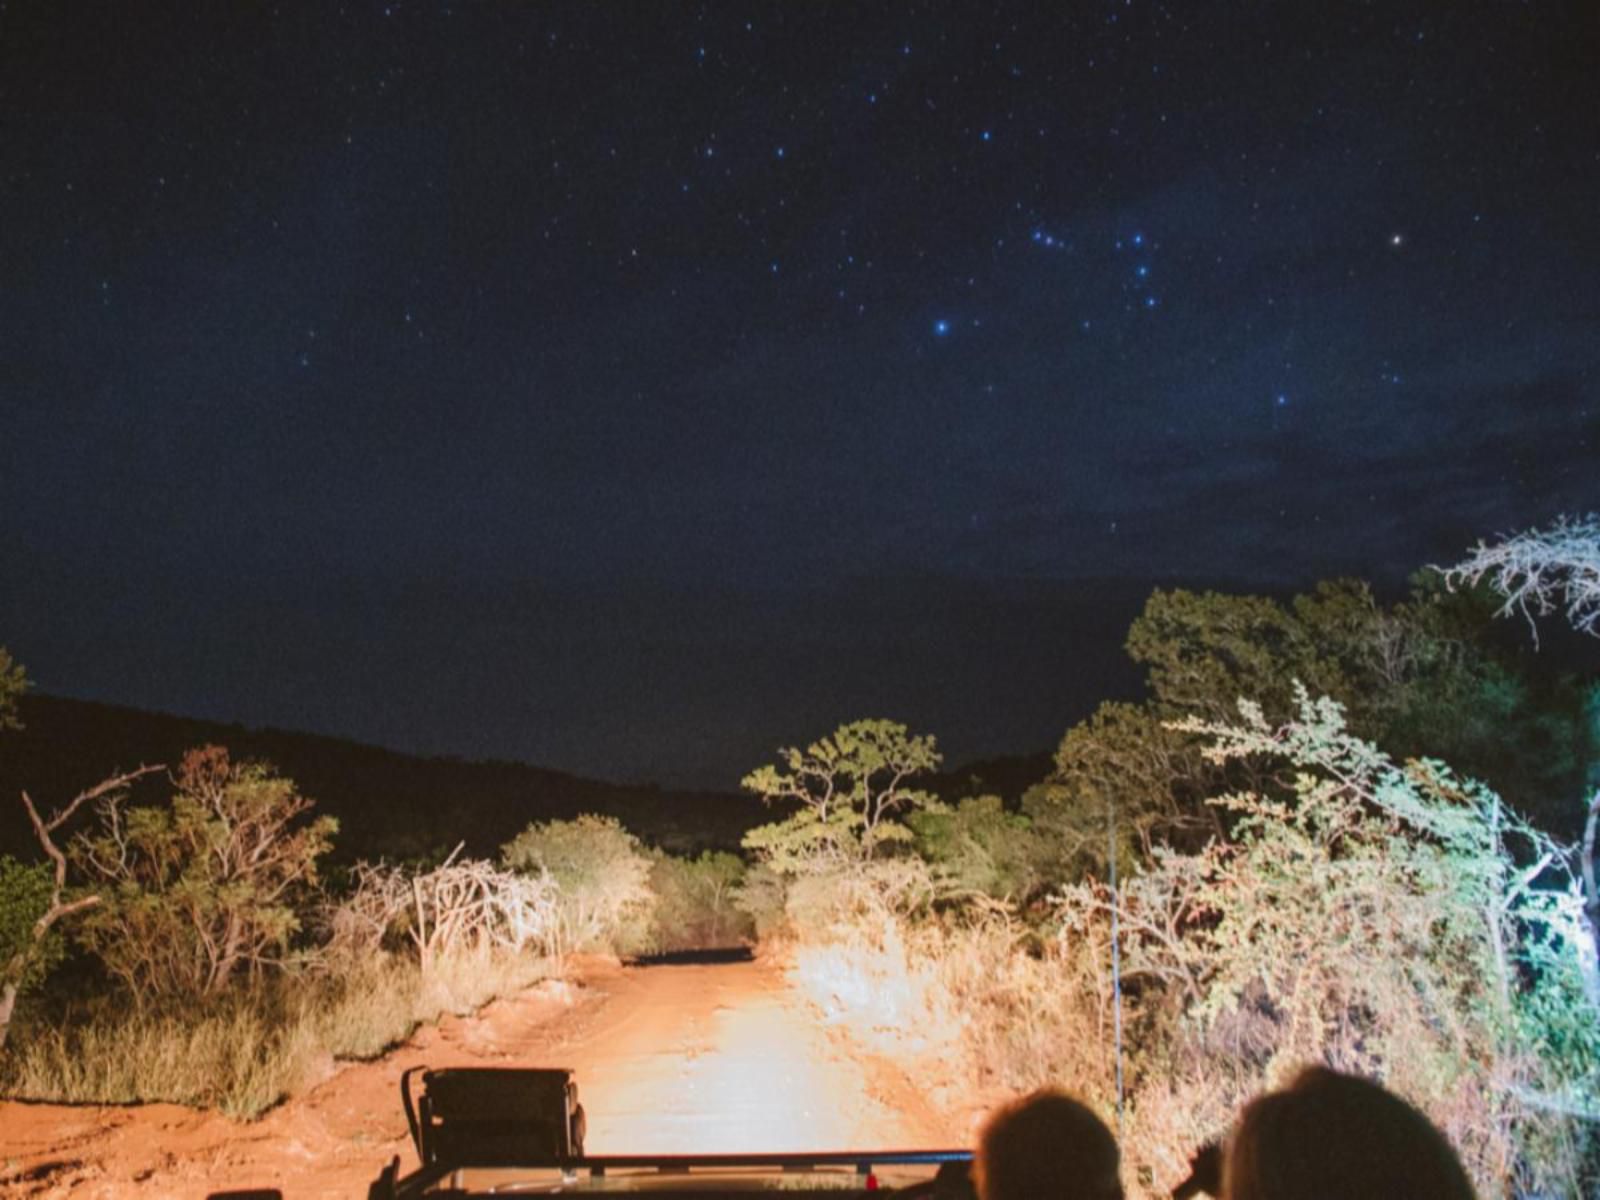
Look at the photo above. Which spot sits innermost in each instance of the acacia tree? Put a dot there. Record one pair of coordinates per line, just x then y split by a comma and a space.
194, 892
849, 790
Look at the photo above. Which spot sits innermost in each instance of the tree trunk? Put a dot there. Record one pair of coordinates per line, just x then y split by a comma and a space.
8, 1002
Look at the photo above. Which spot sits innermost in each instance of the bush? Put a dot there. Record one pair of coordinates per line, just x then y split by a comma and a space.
977, 847
601, 873
695, 902
192, 893
26, 894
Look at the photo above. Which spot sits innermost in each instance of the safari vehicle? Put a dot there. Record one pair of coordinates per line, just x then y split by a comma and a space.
509, 1131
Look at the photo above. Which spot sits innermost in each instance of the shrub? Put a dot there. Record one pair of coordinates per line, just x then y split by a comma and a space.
977, 847
695, 906
603, 900
440, 912
27, 891
191, 893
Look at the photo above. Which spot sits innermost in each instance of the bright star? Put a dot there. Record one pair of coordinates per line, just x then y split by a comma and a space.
941, 328
1281, 400
1397, 240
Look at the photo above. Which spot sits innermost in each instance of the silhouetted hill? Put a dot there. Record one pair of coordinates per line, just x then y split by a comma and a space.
387, 803
1007, 776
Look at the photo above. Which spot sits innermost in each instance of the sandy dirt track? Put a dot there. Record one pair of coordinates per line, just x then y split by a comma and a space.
704, 1057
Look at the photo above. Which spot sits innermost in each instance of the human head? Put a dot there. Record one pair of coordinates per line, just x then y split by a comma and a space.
1047, 1146
1329, 1136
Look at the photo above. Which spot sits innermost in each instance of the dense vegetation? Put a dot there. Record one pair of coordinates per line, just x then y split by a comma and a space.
1266, 862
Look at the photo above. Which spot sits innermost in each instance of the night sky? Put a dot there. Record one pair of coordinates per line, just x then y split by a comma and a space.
632, 388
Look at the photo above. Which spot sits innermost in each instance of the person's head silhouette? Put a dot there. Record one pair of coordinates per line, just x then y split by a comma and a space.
1046, 1146
1329, 1136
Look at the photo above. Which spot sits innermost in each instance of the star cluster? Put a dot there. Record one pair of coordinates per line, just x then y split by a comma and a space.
721, 306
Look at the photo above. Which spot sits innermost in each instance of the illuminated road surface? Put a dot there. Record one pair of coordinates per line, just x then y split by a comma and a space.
723, 1057
706, 1057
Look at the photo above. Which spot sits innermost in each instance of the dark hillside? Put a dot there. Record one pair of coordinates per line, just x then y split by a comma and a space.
388, 803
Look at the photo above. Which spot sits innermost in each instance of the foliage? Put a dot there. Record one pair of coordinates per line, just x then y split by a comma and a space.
1418, 677
695, 902
1125, 759
26, 895
601, 875
1392, 920
13, 682
976, 846
763, 896
849, 789
33, 899
193, 892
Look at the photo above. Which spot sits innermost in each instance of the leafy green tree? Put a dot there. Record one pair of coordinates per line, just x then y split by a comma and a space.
196, 891
1536, 573
848, 791
13, 682
1419, 677
976, 846
601, 873
1395, 920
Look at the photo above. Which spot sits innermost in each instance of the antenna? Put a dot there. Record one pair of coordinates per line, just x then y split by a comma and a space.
1116, 953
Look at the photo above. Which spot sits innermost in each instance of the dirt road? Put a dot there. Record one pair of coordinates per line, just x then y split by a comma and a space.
708, 1057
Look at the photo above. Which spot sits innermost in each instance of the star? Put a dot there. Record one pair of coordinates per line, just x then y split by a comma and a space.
941, 328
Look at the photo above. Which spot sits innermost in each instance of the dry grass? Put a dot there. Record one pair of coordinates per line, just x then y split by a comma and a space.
253, 1048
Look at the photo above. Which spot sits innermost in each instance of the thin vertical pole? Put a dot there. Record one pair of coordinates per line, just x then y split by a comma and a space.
1116, 955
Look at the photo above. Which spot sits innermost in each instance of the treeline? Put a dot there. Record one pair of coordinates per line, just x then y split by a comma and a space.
1266, 863
389, 805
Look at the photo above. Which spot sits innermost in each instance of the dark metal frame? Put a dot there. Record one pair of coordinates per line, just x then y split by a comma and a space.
391, 1186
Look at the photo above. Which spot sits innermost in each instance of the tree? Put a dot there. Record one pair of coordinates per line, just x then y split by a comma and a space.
1419, 677
1392, 919
193, 892
977, 847
33, 897
1538, 572
849, 788
1541, 571
601, 874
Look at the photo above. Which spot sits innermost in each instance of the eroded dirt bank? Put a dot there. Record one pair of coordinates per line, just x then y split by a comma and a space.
705, 1056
